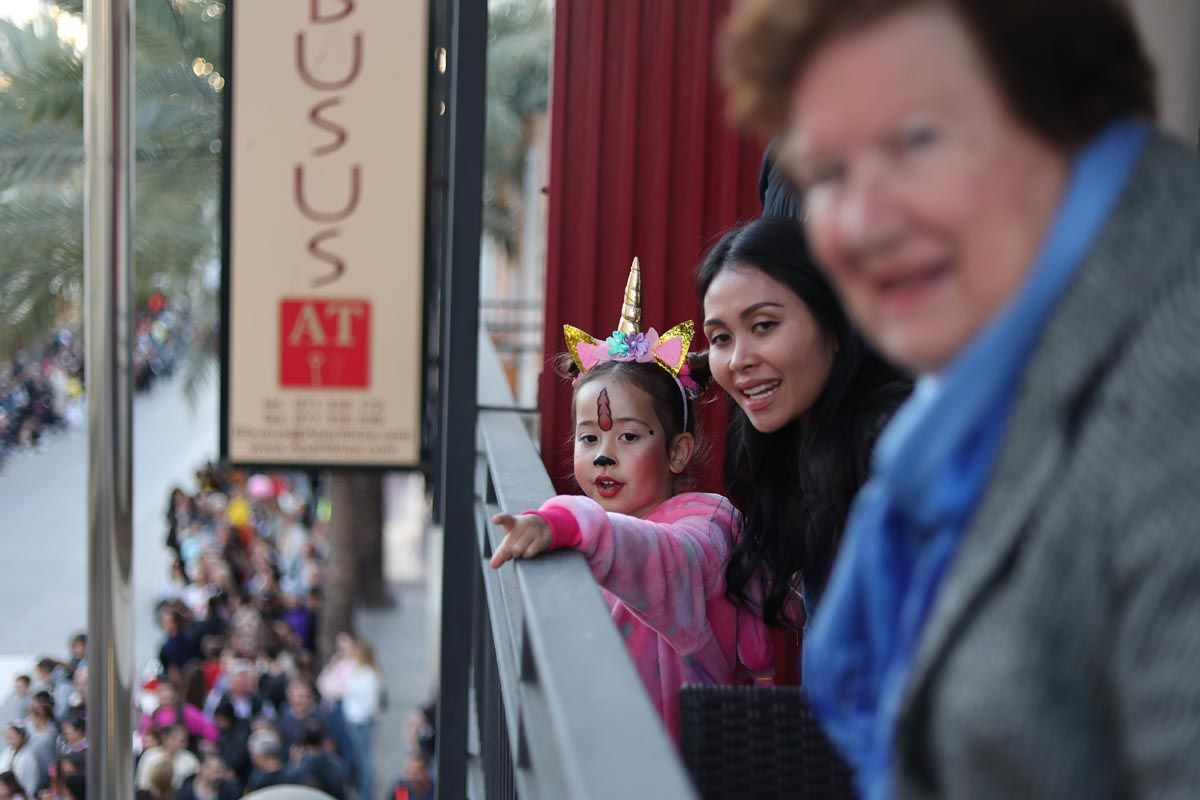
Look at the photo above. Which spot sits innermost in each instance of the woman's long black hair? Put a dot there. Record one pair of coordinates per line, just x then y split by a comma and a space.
795, 485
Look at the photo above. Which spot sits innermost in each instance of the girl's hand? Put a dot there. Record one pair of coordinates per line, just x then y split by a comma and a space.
524, 537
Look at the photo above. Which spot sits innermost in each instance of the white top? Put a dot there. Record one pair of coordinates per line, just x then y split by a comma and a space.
185, 764
24, 766
360, 704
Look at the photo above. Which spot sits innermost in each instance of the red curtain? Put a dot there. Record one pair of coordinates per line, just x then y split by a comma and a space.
642, 163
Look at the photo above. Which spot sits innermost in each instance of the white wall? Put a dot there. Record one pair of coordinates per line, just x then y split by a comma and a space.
1172, 32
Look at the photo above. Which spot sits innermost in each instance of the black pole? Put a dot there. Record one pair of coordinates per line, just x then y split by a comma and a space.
460, 325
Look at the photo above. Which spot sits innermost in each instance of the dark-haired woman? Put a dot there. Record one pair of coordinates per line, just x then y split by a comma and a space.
807, 400
18, 758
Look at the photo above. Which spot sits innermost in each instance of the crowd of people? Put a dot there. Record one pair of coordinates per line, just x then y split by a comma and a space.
236, 700
41, 391
40, 394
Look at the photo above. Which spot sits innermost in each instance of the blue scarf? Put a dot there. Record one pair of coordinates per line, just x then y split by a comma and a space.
928, 474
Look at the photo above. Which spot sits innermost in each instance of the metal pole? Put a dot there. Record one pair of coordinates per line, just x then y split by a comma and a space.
460, 558
108, 148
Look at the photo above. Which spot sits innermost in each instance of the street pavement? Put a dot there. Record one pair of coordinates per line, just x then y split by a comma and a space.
43, 522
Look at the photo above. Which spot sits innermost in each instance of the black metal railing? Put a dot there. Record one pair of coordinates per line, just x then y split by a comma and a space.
558, 709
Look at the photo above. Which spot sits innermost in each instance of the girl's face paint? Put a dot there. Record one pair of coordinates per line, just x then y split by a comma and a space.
639, 477
604, 411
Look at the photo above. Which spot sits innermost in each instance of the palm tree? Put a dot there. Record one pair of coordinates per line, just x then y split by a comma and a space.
519, 35
177, 130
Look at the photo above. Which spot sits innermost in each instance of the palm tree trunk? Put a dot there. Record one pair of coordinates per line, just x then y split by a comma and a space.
354, 568
370, 585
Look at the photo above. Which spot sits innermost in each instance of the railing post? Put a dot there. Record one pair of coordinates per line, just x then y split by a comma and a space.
108, 148
458, 382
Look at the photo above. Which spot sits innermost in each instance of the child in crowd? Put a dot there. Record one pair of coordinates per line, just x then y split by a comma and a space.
22, 695
658, 554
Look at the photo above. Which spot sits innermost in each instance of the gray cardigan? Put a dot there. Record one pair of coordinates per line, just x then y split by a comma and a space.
1061, 658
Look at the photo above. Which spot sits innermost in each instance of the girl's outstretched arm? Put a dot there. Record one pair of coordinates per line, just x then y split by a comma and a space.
665, 571
525, 536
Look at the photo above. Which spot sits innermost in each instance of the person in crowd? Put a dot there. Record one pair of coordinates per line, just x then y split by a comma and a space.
180, 510
301, 707
53, 676
174, 710
276, 666
10, 787
266, 752
1015, 612
173, 751
18, 757
179, 647
417, 783
658, 552
22, 694
234, 742
73, 739
174, 584
195, 685
331, 683
78, 648
160, 781
807, 399
74, 787
418, 779
361, 706
210, 782
312, 763
242, 693
77, 699
43, 738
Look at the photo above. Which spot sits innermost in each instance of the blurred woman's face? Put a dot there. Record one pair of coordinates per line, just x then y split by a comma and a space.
765, 348
926, 199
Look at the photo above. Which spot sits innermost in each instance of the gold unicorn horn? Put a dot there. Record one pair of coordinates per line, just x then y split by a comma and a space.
631, 308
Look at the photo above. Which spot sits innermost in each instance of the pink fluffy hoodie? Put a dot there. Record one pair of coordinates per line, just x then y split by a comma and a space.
663, 579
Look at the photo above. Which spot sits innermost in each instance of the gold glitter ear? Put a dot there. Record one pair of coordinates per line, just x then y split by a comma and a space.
574, 336
684, 331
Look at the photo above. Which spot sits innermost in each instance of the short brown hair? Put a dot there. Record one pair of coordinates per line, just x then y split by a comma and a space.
1066, 67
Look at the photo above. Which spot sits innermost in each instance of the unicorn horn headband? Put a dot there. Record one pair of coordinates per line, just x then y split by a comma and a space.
628, 343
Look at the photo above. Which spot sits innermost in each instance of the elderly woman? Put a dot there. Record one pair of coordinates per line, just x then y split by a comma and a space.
1016, 610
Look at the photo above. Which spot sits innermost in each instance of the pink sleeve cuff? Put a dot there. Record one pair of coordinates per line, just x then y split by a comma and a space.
564, 530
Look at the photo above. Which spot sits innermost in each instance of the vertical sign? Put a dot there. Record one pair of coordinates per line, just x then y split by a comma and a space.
325, 198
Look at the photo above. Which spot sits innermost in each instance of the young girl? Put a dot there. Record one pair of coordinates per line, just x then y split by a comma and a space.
659, 555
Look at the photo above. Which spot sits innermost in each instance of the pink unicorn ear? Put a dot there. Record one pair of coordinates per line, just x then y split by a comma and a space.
589, 355
576, 341
671, 348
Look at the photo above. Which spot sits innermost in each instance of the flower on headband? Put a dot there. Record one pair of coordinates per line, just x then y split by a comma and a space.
617, 345
628, 345
637, 345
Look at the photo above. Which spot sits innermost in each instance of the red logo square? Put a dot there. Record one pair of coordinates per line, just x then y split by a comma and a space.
324, 343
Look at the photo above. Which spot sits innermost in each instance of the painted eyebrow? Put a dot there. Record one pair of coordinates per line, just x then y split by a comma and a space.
749, 311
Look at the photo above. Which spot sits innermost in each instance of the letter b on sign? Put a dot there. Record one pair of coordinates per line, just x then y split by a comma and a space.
324, 343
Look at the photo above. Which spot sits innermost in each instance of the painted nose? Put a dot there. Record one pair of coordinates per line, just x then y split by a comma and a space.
603, 461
